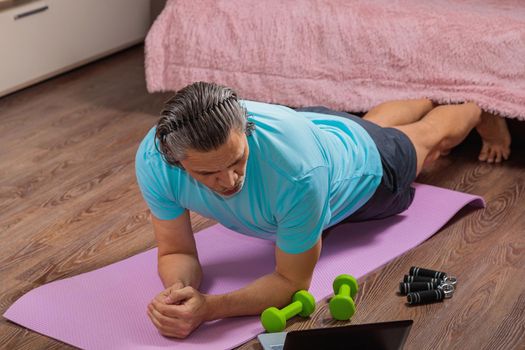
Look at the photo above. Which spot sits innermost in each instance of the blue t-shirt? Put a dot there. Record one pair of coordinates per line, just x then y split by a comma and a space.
305, 172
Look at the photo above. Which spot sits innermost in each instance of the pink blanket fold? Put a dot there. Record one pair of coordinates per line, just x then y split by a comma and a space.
346, 55
106, 308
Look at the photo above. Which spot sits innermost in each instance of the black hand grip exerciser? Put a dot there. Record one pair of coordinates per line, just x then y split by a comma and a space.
411, 279
405, 288
425, 297
419, 271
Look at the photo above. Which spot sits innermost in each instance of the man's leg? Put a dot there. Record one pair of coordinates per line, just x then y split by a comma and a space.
394, 113
441, 129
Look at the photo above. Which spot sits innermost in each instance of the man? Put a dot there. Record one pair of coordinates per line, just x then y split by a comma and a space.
275, 173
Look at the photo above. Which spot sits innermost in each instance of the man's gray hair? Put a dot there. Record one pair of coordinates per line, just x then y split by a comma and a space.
199, 117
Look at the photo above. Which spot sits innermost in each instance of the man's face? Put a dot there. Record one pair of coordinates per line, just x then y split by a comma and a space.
221, 170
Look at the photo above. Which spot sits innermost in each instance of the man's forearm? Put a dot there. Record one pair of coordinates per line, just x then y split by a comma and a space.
183, 268
269, 290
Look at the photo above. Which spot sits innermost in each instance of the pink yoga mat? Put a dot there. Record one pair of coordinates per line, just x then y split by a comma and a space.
106, 308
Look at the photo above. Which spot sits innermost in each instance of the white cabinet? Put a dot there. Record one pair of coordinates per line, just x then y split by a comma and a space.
46, 37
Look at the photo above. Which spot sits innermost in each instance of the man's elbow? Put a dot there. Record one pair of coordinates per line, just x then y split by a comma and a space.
296, 284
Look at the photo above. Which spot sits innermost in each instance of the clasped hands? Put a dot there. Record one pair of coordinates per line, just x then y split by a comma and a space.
178, 310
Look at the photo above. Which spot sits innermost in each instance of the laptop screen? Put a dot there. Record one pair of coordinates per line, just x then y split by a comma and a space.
372, 336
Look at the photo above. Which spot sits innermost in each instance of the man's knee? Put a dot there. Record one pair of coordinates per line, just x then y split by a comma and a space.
423, 134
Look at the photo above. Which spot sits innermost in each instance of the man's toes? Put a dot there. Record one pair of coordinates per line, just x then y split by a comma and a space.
498, 157
492, 155
506, 153
483, 155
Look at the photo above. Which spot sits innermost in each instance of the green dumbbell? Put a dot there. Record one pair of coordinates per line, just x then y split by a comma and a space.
274, 320
342, 305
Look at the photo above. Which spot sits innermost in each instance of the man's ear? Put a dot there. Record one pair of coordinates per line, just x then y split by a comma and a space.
250, 127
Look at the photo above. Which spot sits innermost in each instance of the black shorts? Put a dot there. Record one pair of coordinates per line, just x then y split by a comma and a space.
398, 157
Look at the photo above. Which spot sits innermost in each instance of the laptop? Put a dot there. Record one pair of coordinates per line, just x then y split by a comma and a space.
371, 336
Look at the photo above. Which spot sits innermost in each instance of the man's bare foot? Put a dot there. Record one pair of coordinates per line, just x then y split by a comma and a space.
495, 137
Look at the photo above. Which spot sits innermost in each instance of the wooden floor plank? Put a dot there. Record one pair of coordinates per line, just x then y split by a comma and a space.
69, 203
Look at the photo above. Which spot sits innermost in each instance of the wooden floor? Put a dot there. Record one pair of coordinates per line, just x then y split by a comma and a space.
69, 204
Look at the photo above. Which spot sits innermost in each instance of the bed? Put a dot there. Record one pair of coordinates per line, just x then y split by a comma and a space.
346, 55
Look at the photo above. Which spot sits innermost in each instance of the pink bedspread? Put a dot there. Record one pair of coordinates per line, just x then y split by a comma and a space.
347, 55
